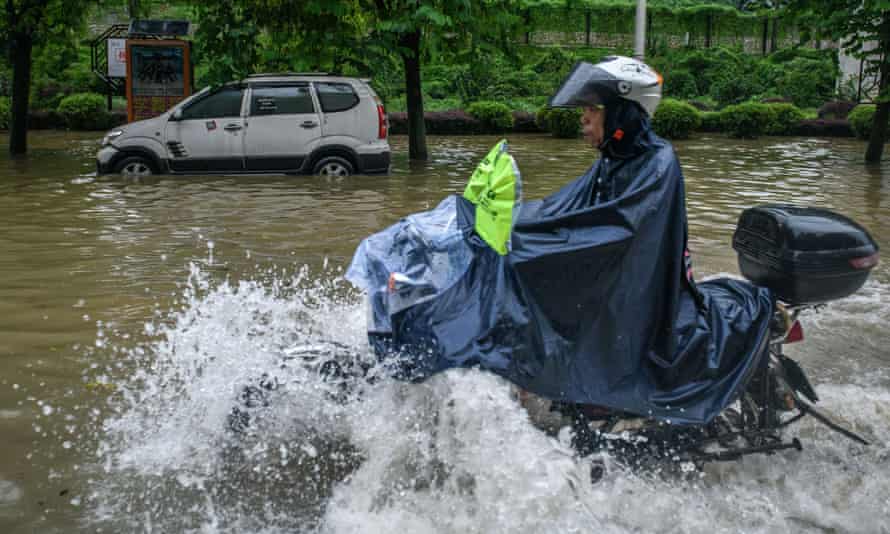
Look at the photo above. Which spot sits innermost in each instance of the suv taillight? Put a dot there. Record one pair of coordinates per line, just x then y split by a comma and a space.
795, 333
381, 122
865, 263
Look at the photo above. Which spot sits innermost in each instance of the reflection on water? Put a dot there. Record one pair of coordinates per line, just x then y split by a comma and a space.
98, 301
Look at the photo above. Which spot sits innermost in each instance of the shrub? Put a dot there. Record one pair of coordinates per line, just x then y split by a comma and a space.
560, 122
47, 94
675, 119
519, 82
494, 116
556, 62
767, 74
836, 109
542, 118
710, 64
704, 103
680, 84
807, 82
84, 111
784, 55
5, 111
733, 88
747, 120
785, 118
861, 119
710, 121
437, 89
436, 104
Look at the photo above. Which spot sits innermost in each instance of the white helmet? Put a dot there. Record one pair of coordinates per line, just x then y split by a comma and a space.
613, 77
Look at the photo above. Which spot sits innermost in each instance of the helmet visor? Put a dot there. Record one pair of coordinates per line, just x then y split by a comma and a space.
587, 85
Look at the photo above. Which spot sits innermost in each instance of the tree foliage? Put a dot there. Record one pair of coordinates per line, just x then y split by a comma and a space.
700, 19
856, 24
359, 34
227, 40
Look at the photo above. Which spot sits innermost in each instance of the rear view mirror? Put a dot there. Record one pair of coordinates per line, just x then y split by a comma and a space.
177, 114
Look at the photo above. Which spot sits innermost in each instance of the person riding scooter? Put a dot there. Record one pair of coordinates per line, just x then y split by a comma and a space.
618, 96
586, 299
590, 302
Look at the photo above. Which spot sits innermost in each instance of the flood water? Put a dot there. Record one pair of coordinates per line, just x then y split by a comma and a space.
133, 312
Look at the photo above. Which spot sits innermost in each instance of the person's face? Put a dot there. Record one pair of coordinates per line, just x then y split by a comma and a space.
593, 125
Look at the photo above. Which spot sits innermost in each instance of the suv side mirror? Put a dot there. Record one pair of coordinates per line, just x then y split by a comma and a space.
177, 114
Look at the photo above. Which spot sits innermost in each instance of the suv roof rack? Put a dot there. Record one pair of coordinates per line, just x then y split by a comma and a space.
273, 74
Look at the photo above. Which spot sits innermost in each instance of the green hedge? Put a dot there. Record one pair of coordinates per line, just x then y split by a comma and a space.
494, 116
5, 118
753, 119
747, 120
861, 119
560, 122
710, 121
675, 119
681, 84
784, 119
85, 111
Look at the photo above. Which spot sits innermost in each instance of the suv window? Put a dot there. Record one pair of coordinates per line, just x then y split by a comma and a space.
284, 100
224, 103
336, 96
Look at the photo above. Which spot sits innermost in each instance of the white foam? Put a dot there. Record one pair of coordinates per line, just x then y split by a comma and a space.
453, 454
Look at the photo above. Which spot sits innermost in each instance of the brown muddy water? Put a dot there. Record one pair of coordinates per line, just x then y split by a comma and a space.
131, 313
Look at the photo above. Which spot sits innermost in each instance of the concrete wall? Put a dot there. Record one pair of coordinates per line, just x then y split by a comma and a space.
848, 82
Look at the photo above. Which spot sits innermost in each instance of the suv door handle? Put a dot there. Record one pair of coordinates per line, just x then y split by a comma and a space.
232, 127
308, 124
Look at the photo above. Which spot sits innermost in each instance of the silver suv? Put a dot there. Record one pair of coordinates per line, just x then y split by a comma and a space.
268, 123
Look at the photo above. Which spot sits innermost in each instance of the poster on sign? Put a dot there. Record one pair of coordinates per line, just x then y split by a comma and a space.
117, 58
157, 77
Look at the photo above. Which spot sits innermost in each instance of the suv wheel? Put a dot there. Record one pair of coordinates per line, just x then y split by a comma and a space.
333, 166
135, 166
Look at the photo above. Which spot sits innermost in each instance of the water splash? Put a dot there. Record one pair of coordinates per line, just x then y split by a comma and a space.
454, 454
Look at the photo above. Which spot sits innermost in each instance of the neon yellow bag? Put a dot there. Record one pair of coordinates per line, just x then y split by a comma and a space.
495, 188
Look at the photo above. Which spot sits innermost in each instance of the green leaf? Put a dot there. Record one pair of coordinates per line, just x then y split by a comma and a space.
430, 14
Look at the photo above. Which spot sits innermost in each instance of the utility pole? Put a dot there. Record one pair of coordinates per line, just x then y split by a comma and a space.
640, 31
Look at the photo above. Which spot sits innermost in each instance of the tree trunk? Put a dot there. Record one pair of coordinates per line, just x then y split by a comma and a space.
416, 127
527, 19
21, 89
765, 35
133, 9
879, 125
650, 38
709, 21
774, 36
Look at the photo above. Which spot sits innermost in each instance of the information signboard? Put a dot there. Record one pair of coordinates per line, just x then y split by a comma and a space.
117, 58
158, 76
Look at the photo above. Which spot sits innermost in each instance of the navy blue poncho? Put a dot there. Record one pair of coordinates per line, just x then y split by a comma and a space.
594, 303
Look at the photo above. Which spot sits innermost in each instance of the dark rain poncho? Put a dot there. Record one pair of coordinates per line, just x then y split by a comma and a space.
593, 304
